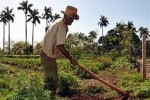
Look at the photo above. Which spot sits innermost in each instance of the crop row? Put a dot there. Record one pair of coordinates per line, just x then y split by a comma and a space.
63, 64
23, 63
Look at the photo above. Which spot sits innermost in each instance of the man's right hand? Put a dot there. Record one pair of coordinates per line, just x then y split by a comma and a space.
67, 54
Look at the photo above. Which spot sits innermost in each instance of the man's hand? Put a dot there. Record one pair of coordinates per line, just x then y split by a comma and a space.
67, 54
74, 62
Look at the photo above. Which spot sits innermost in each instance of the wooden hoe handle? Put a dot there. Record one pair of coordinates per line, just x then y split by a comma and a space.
111, 86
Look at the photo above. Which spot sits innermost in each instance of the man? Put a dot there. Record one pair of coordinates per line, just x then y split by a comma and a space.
53, 47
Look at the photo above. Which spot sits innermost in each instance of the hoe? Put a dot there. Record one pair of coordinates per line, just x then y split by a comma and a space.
111, 86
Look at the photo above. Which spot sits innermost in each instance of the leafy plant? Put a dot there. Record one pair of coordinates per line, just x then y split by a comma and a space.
2, 70
122, 62
33, 90
143, 90
113, 54
107, 61
81, 73
95, 89
66, 82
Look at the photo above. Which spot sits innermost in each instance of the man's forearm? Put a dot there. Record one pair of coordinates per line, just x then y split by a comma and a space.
64, 51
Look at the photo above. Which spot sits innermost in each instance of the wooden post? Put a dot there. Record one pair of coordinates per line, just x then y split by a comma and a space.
144, 56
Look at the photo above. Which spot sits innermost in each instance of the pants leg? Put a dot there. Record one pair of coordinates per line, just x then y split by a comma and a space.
50, 72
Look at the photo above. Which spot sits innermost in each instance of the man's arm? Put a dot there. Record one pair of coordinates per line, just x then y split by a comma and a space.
67, 54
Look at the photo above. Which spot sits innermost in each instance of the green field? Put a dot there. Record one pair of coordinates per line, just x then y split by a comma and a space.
22, 79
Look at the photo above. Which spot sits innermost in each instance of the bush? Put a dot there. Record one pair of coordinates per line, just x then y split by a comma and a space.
67, 67
2, 70
143, 90
30, 93
134, 84
122, 62
66, 82
112, 94
107, 61
113, 54
130, 81
95, 89
76, 52
94, 67
34, 90
3, 84
23, 63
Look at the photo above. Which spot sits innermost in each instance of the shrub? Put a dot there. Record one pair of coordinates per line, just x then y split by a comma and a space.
112, 94
34, 90
134, 84
76, 52
122, 62
95, 89
107, 61
3, 84
2, 70
23, 63
93, 66
113, 54
30, 93
130, 81
143, 90
90, 66
66, 82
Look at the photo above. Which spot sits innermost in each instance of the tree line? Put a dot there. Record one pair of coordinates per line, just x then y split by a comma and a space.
123, 38
31, 15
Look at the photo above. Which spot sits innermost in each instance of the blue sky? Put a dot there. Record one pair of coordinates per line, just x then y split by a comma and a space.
89, 11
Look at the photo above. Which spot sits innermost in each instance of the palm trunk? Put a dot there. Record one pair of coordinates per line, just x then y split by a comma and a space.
144, 56
26, 29
102, 39
4, 37
102, 35
9, 37
46, 22
102, 31
32, 35
27, 52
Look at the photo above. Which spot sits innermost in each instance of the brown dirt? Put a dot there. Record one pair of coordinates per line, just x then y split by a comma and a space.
108, 75
88, 97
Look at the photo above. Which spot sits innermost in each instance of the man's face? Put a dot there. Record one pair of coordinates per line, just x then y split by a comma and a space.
68, 20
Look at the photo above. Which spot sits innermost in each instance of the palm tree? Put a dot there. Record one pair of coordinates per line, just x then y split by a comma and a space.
103, 23
144, 33
35, 18
119, 29
25, 7
130, 25
56, 16
81, 37
92, 36
4, 20
9, 16
47, 15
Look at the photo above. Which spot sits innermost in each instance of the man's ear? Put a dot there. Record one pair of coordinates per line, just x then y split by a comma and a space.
46, 28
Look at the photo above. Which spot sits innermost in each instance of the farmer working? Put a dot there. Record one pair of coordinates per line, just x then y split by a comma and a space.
53, 47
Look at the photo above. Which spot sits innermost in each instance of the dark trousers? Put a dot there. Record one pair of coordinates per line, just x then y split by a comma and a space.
50, 72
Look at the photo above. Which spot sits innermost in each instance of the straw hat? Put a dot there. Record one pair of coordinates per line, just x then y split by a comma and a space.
71, 12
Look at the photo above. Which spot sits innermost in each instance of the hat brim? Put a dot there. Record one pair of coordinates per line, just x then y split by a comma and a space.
76, 17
